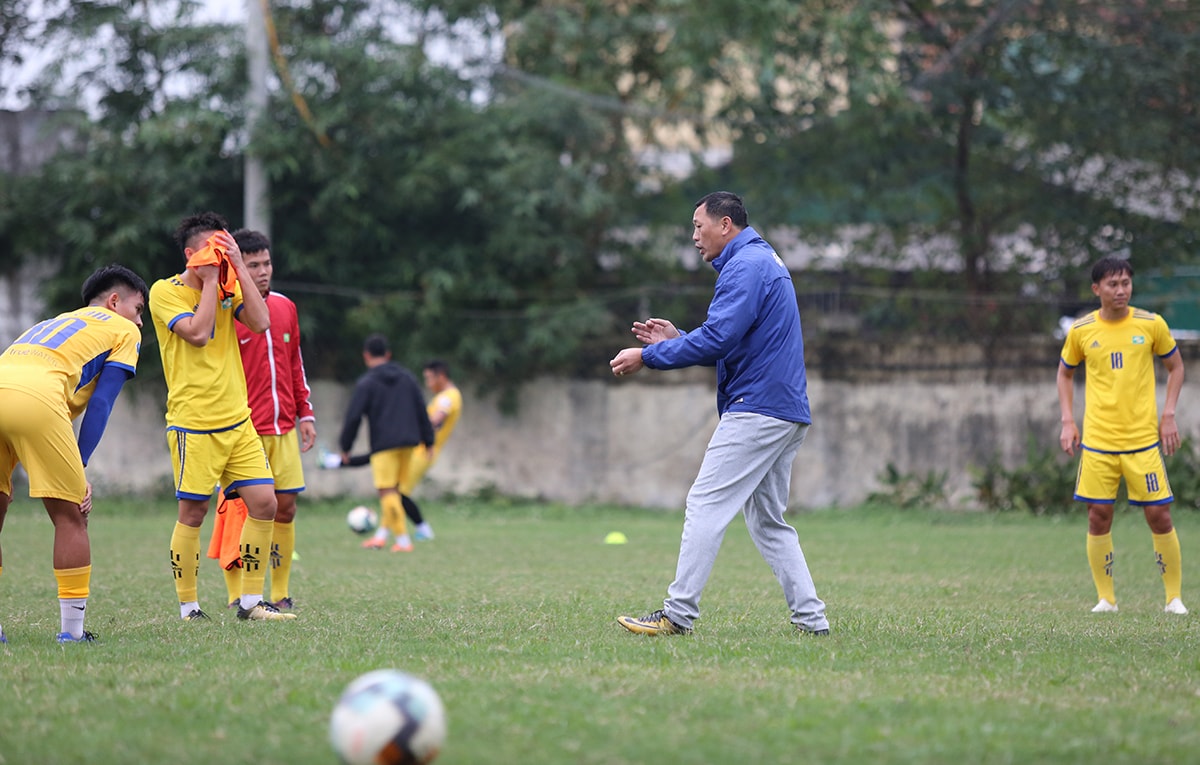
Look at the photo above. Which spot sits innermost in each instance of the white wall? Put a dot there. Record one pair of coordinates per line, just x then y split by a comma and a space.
640, 441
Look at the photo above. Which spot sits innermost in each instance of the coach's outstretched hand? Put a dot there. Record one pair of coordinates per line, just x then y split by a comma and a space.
654, 331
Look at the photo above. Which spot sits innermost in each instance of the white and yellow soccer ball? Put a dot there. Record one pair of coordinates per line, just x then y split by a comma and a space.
388, 717
362, 520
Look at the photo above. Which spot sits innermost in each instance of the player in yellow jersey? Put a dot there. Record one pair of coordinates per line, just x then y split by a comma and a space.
444, 410
1122, 433
209, 432
49, 375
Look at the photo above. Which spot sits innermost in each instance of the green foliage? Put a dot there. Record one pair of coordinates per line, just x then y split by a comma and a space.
492, 212
477, 232
1183, 471
1045, 483
909, 491
1036, 136
1042, 485
957, 638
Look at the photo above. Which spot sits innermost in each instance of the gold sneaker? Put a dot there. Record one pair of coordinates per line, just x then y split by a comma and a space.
656, 623
263, 612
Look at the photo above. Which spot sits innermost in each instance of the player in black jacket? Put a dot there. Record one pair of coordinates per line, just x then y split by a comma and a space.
390, 398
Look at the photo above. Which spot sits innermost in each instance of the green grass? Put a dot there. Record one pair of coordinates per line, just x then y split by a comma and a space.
957, 639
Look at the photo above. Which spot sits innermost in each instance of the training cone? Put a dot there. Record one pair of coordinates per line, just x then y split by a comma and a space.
615, 538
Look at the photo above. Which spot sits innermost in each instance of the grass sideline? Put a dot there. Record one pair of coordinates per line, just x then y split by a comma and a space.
957, 639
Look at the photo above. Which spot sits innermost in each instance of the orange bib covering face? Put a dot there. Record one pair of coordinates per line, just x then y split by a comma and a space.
213, 254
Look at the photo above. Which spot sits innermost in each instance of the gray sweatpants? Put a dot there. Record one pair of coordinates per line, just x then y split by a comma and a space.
747, 468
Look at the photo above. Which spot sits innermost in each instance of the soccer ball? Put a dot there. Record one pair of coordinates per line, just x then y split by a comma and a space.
387, 717
362, 520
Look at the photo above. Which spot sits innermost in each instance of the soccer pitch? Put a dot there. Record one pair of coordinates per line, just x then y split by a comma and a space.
957, 638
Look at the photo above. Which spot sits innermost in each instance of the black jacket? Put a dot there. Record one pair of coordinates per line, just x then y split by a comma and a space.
390, 397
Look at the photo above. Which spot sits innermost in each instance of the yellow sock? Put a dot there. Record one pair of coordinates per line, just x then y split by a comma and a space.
393, 511
283, 544
256, 546
386, 521
73, 582
185, 561
1170, 563
1100, 558
233, 583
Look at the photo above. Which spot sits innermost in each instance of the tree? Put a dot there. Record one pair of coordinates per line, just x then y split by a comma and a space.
402, 203
1039, 134
494, 209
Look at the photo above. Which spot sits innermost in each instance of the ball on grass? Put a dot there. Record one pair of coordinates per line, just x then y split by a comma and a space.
388, 717
362, 520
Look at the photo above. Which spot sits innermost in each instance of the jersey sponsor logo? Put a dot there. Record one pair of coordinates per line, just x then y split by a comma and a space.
1095, 344
244, 340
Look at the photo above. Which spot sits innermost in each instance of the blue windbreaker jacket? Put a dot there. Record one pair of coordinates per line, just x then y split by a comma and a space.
752, 334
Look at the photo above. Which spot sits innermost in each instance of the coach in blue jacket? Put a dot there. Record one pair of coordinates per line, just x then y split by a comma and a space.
752, 334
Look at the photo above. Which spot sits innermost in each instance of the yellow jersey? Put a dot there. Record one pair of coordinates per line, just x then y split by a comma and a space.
59, 359
206, 386
1121, 410
449, 403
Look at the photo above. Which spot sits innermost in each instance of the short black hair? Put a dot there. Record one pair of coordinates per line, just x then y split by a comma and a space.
193, 225
720, 204
1110, 265
249, 240
437, 366
376, 346
107, 278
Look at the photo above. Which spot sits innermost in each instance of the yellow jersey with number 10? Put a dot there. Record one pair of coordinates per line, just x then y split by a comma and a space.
59, 359
1121, 405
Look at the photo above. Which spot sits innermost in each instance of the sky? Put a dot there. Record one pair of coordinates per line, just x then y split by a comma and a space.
223, 10
228, 10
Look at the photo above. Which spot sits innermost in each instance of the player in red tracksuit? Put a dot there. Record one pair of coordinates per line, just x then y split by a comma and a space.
280, 407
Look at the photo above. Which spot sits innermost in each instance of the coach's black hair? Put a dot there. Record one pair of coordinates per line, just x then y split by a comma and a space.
720, 204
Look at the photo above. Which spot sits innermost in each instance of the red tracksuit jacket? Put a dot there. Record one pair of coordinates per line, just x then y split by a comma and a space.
275, 378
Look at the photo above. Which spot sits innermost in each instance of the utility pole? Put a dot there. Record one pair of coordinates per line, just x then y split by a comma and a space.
257, 189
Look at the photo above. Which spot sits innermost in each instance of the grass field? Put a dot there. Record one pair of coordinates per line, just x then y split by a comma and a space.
957, 639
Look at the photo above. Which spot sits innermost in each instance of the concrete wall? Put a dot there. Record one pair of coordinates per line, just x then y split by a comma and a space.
640, 441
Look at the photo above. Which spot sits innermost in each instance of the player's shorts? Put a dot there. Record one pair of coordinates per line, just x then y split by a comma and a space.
418, 464
390, 466
283, 452
41, 438
232, 458
1144, 472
